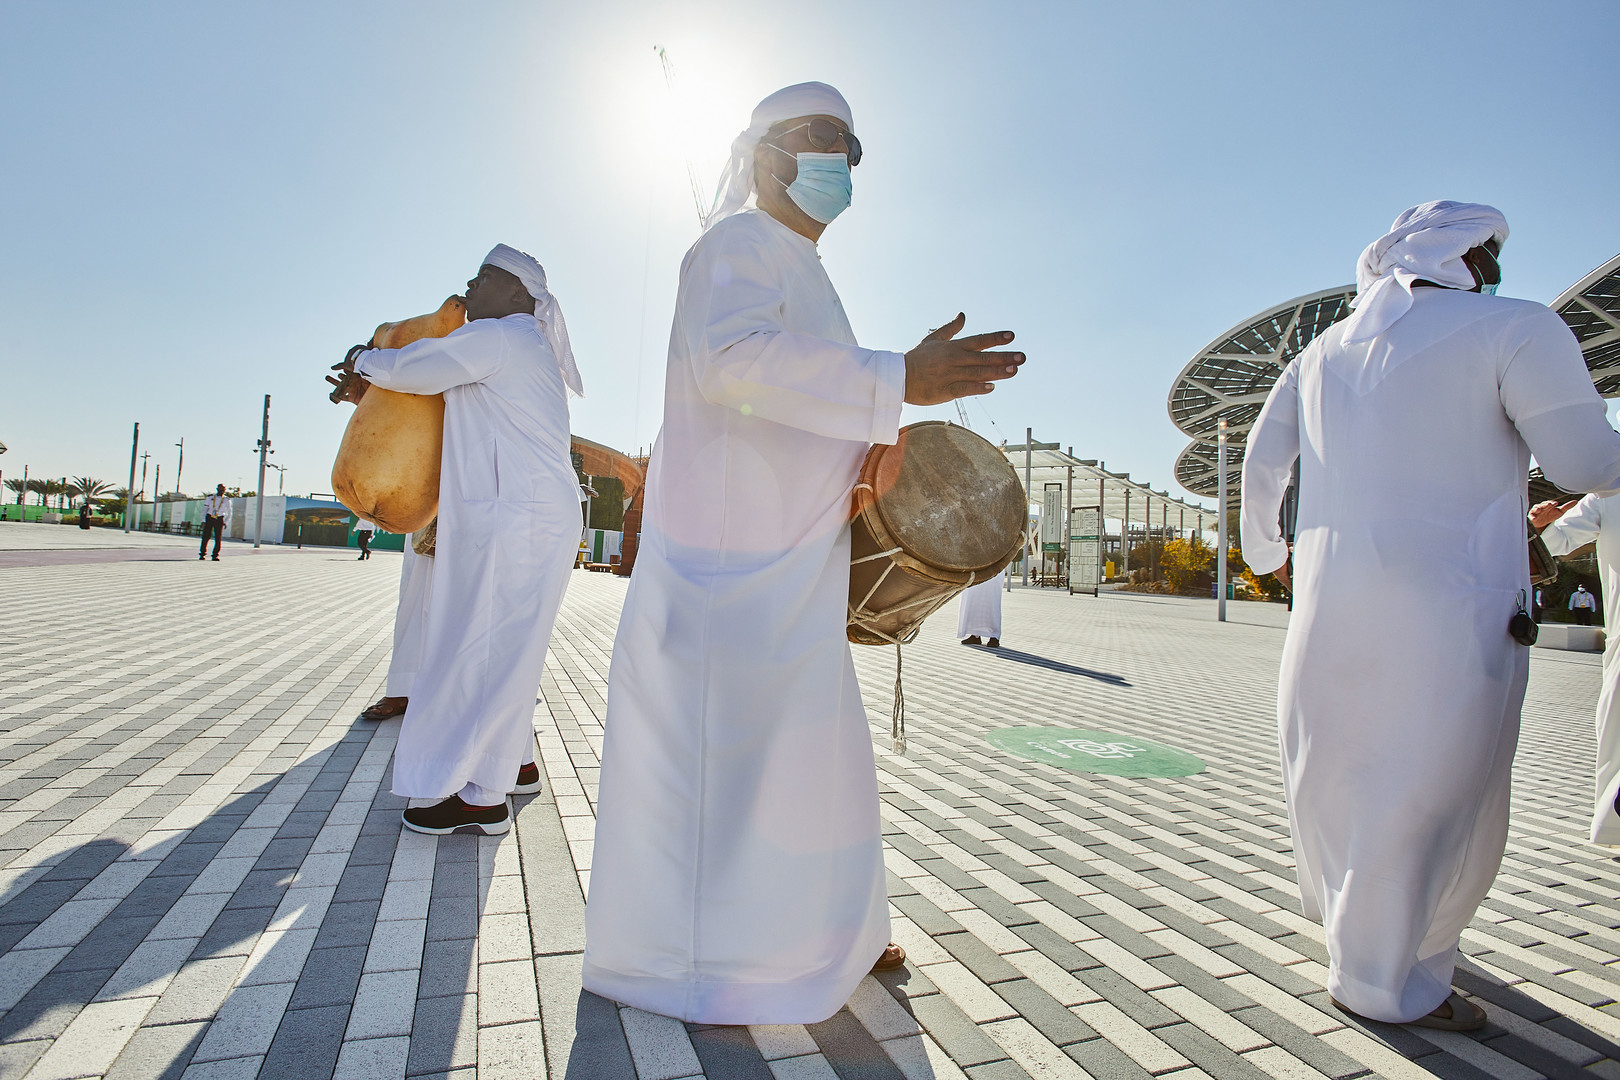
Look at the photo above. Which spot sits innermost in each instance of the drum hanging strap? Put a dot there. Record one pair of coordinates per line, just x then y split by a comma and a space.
897, 730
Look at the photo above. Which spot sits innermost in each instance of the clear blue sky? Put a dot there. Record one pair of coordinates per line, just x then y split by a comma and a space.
205, 203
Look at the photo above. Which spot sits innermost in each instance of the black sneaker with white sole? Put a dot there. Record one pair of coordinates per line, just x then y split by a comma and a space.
528, 780
452, 816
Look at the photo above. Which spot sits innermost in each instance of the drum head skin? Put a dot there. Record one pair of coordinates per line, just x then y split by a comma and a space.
949, 497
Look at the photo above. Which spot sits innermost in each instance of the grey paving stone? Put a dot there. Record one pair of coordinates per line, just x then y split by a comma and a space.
557, 981
449, 968
925, 914
977, 957
1208, 1054
330, 976
598, 1050
557, 910
348, 924
452, 917
234, 932
954, 1032
843, 1039
159, 1052
444, 1035
1058, 1024
1000, 1070
729, 1052
16, 1058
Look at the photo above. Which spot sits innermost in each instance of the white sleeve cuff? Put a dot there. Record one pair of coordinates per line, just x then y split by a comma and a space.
890, 368
1265, 557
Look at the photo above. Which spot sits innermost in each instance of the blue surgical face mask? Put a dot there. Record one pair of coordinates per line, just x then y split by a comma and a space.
1490, 289
823, 187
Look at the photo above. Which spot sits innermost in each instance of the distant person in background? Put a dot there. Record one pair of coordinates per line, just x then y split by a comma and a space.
979, 613
216, 510
362, 532
1400, 691
84, 514
1582, 604
1594, 519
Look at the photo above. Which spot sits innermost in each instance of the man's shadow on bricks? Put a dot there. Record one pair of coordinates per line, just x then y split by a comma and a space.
1019, 657
44, 986
48, 981
601, 1050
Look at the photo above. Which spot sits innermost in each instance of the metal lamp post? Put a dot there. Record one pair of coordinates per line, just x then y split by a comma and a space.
1220, 528
264, 450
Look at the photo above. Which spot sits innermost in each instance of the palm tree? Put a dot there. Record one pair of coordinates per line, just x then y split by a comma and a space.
19, 487
85, 487
45, 489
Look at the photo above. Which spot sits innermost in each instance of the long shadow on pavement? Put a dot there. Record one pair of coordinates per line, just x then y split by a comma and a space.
1059, 666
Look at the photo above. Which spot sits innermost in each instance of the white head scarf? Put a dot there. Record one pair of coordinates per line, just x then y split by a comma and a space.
788, 103
1428, 242
529, 271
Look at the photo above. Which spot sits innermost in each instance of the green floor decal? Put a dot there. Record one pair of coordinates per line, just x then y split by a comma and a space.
1095, 752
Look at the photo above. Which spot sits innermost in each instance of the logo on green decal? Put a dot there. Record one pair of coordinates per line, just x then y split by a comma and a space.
1095, 752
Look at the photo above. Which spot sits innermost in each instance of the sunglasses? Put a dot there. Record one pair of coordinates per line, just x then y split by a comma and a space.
824, 135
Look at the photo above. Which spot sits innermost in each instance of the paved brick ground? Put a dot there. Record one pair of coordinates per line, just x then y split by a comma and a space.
202, 873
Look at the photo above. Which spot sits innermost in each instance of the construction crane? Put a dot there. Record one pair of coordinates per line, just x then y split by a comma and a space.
691, 170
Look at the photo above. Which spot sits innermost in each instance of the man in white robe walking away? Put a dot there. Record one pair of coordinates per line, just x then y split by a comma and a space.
1595, 519
410, 622
978, 620
737, 875
509, 522
1400, 689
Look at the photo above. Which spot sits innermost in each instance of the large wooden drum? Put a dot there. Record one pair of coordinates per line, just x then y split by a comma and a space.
938, 511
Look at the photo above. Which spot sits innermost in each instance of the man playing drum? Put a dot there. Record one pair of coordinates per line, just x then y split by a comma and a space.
737, 875
509, 520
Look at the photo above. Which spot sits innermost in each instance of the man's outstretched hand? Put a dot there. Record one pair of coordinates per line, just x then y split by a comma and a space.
1544, 514
944, 367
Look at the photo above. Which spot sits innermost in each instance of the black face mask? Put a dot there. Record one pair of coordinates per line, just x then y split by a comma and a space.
1522, 628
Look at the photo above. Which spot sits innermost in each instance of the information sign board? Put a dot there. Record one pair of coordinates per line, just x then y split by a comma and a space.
1085, 549
1052, 519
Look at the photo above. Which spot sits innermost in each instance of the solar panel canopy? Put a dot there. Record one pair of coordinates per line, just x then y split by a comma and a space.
1230, 378
1591, 309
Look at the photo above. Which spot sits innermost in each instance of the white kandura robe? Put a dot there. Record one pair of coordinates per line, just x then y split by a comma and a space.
737, 875
1598, 519
509, 524
1400, 689
410, 621
979, 609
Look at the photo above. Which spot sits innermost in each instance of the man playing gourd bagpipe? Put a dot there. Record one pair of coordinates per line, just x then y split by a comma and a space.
508, 526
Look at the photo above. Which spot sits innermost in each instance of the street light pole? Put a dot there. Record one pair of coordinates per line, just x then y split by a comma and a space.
1220, 528
264, 450
182, 466
1029, 453
129, 492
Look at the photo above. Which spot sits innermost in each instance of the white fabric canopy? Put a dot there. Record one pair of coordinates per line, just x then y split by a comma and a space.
1399, 695
1425, 242
509, 526
1598, 519
737, 876
546, 310
789, 103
